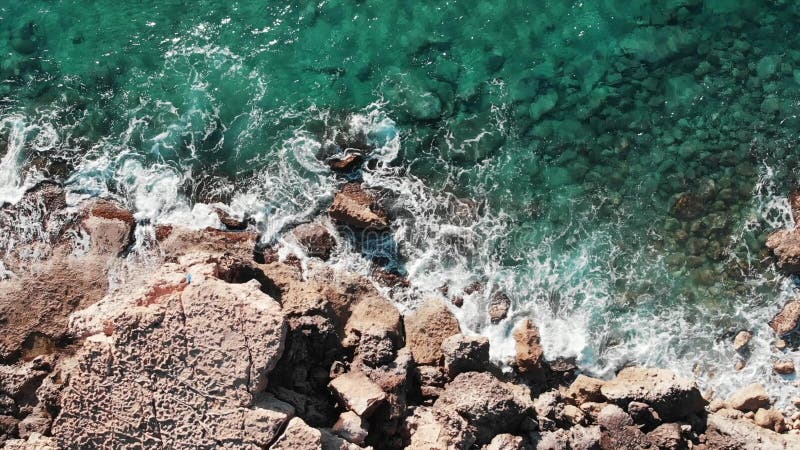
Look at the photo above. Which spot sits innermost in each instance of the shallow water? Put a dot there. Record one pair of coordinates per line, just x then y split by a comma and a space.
538, 150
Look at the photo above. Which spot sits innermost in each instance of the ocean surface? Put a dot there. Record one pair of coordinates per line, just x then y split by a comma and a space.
532, 148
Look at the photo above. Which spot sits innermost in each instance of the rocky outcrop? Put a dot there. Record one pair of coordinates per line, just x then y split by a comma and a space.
671, 396
785, 247
358, 208
726, 433
529, 352
173, 381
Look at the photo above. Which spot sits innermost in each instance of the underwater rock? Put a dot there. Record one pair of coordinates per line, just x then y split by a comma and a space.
358, 208
688, 206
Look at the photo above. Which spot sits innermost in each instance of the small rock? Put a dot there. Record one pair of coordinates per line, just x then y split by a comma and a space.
741, 340
573, 415
431, 379
229, 220
787, 319
770, 419
465, 354
643, 414
716, 405
783, 367
427, 328
351, 427
688, 206
349, 161
749, 398
780, 344
315, 239
794, 204
592, 409
358, 393
667, 436
529, 353
498, 307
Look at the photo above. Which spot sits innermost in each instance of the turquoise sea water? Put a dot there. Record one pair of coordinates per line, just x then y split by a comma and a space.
538, 148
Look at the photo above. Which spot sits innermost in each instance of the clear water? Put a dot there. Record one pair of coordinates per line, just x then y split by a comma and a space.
572, 127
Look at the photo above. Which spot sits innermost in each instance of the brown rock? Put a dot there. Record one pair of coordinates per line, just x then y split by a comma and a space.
667, 436
592, 409
315, 239
358, 393
347, 162
427, 328
298, 436
574, 438
431, 380
770, 419
187, 359
505, 441
783, 367
726, 433
498, 307
430, 428
358, 208
671, 396
787, 319
488, 404
741, 340
351, 427
586, 389
229, 220
465, 354
530, 355
618, 430
573, 415
794, 204
749, 398
785, 247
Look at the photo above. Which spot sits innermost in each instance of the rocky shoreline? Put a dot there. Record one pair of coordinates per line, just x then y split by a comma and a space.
206, 339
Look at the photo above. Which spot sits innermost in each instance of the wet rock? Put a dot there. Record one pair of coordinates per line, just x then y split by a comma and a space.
529, 353
229, 219
465, 354
671, 396
688, 206
351, 427
498, 307
315, 239
783, 367
794, 204
770, 419
787, 319
488, 404
298, 436
727, 433
741, 340
358, 393
349, 161
358, 208
785, 247
585, 389
749, 398
174, 378
427, 328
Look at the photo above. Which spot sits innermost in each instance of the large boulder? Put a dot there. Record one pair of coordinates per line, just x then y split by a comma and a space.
178, 362
489, 405
465, 354
787, 319
726, 433
427, 328
358, 208
785, 246
749, 398
586, 389
671, 396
